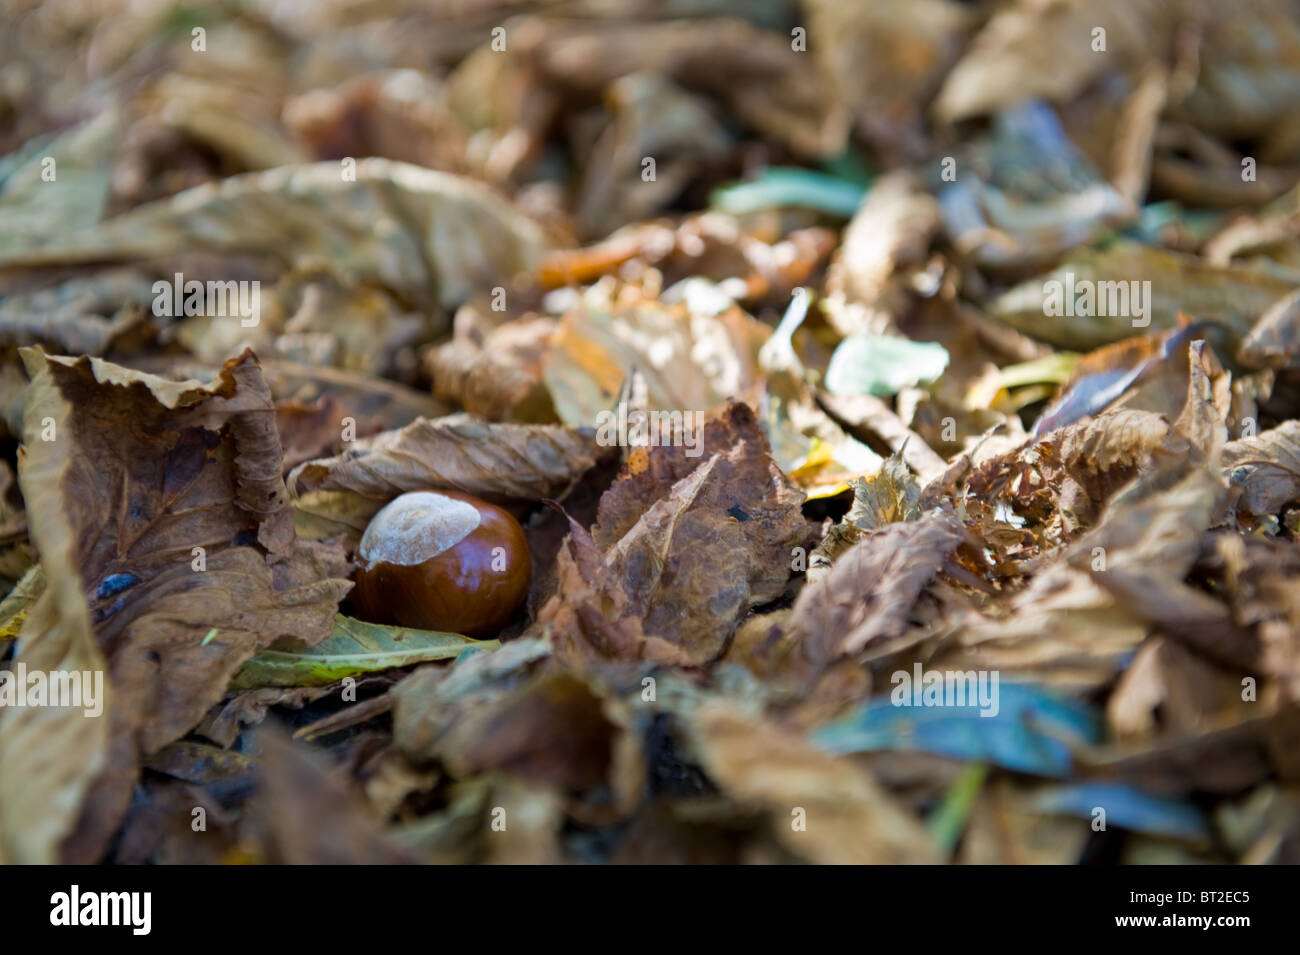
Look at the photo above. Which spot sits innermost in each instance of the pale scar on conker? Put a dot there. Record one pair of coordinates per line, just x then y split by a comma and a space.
442, 560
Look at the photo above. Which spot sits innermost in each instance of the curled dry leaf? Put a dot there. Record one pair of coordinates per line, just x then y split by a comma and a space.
682, 548
1272, 343
868, 595
1155, 490
168, 546
892, 494
511, 464
1264, 470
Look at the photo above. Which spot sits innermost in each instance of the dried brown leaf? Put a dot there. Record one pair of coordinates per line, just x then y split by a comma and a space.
167, 540
510, 464
684, 546
868, 595
848, 818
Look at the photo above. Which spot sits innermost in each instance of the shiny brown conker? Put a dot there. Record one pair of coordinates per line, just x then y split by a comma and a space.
442, 560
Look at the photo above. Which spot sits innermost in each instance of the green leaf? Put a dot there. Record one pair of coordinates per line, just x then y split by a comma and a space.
948, 821
1054, 369
883, 365
353, 647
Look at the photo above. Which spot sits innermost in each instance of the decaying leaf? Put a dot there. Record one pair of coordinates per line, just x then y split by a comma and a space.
161, 516
508, 463
645, 581
867, 596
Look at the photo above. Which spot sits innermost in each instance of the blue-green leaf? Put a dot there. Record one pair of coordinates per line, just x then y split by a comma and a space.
1033, 731
1127, 808
778, 187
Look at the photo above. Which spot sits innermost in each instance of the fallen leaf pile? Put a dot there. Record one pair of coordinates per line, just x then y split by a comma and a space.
901, 401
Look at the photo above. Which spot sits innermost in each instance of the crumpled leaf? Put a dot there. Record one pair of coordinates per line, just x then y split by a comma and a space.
892, 495
647, 581
1155, 490
1264, 469
500, 377
1101, 377
868, 594
175, 466
504, 463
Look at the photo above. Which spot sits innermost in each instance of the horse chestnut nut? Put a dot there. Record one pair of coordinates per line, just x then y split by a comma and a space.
442, 560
